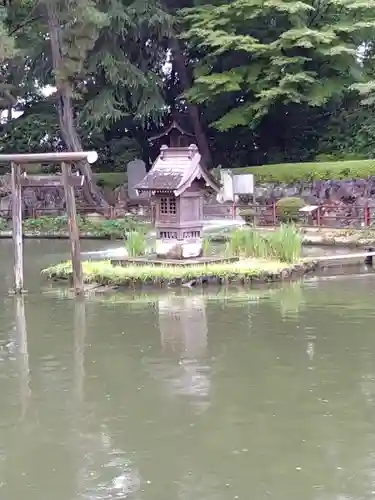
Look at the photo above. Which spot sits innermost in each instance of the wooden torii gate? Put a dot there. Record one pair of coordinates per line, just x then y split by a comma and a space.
68, 180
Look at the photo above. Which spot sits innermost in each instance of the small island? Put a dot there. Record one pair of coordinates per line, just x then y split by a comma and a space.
245, 272
180, 255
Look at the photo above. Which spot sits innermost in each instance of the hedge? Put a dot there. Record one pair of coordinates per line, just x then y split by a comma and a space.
282, 173
295, 172
110, 179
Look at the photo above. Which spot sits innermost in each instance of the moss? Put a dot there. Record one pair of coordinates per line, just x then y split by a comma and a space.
104, 273
297, 172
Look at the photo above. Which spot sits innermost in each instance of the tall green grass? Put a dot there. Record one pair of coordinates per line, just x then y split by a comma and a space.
206, 246
135, 243
283, 244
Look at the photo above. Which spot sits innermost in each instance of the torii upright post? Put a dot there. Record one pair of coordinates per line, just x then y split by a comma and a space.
73, 229
17, 228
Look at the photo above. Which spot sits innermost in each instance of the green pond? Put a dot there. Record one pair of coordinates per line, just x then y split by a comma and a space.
214, 395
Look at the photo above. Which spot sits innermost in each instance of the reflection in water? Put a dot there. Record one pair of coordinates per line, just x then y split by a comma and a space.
108, 472
112, 410
291, 300
22, 352
195, 486
183, 332
78, 391
103, 472
183, 325
79, 348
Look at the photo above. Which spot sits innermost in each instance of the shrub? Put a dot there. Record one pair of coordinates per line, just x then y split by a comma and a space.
110, 180
287, 209
116, 228
3, 224
248, 214
45, 223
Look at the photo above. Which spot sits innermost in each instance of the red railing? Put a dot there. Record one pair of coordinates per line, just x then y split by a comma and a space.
335, 216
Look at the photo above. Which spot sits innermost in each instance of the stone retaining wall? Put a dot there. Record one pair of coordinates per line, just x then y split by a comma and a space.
344, 200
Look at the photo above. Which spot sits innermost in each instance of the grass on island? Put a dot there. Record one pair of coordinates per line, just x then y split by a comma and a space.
283, 244
104, 273
136, 243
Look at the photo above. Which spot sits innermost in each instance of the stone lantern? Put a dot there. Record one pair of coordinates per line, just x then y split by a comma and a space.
177, 183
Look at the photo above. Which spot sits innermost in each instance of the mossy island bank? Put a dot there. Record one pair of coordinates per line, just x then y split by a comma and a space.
248, 258
247, 272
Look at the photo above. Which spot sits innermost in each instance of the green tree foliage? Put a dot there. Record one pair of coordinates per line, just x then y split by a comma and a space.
104, 60
7, 42
259, 54
260, 81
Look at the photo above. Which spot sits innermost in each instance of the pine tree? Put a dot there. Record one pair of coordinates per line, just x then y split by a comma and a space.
104, 55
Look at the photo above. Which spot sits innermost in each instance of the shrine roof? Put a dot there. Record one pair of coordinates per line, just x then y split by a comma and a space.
175, 169
177, 123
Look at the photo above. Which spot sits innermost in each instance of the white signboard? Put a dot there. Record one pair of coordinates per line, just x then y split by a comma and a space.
308, 208
243, 184
226, 192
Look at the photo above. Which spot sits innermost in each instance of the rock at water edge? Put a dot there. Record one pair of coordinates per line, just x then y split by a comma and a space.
174, 249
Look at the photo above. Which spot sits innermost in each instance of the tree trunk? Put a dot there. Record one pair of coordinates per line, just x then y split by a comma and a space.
193, 110
65, 107
9, 113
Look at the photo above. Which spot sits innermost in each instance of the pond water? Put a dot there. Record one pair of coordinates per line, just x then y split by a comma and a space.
221, 395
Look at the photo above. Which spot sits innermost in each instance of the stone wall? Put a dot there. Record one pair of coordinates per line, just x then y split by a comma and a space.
37, 200
315, 192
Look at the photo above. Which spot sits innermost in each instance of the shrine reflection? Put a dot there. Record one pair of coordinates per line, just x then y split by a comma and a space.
183, 336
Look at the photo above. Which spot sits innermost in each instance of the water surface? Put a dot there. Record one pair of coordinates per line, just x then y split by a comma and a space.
226, 394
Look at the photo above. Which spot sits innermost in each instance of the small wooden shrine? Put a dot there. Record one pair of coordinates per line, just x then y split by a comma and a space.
177, 183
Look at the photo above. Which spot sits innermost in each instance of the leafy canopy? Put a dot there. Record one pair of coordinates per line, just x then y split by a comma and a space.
260, 53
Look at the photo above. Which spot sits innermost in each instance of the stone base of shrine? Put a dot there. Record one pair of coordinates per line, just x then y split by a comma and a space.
179, 249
